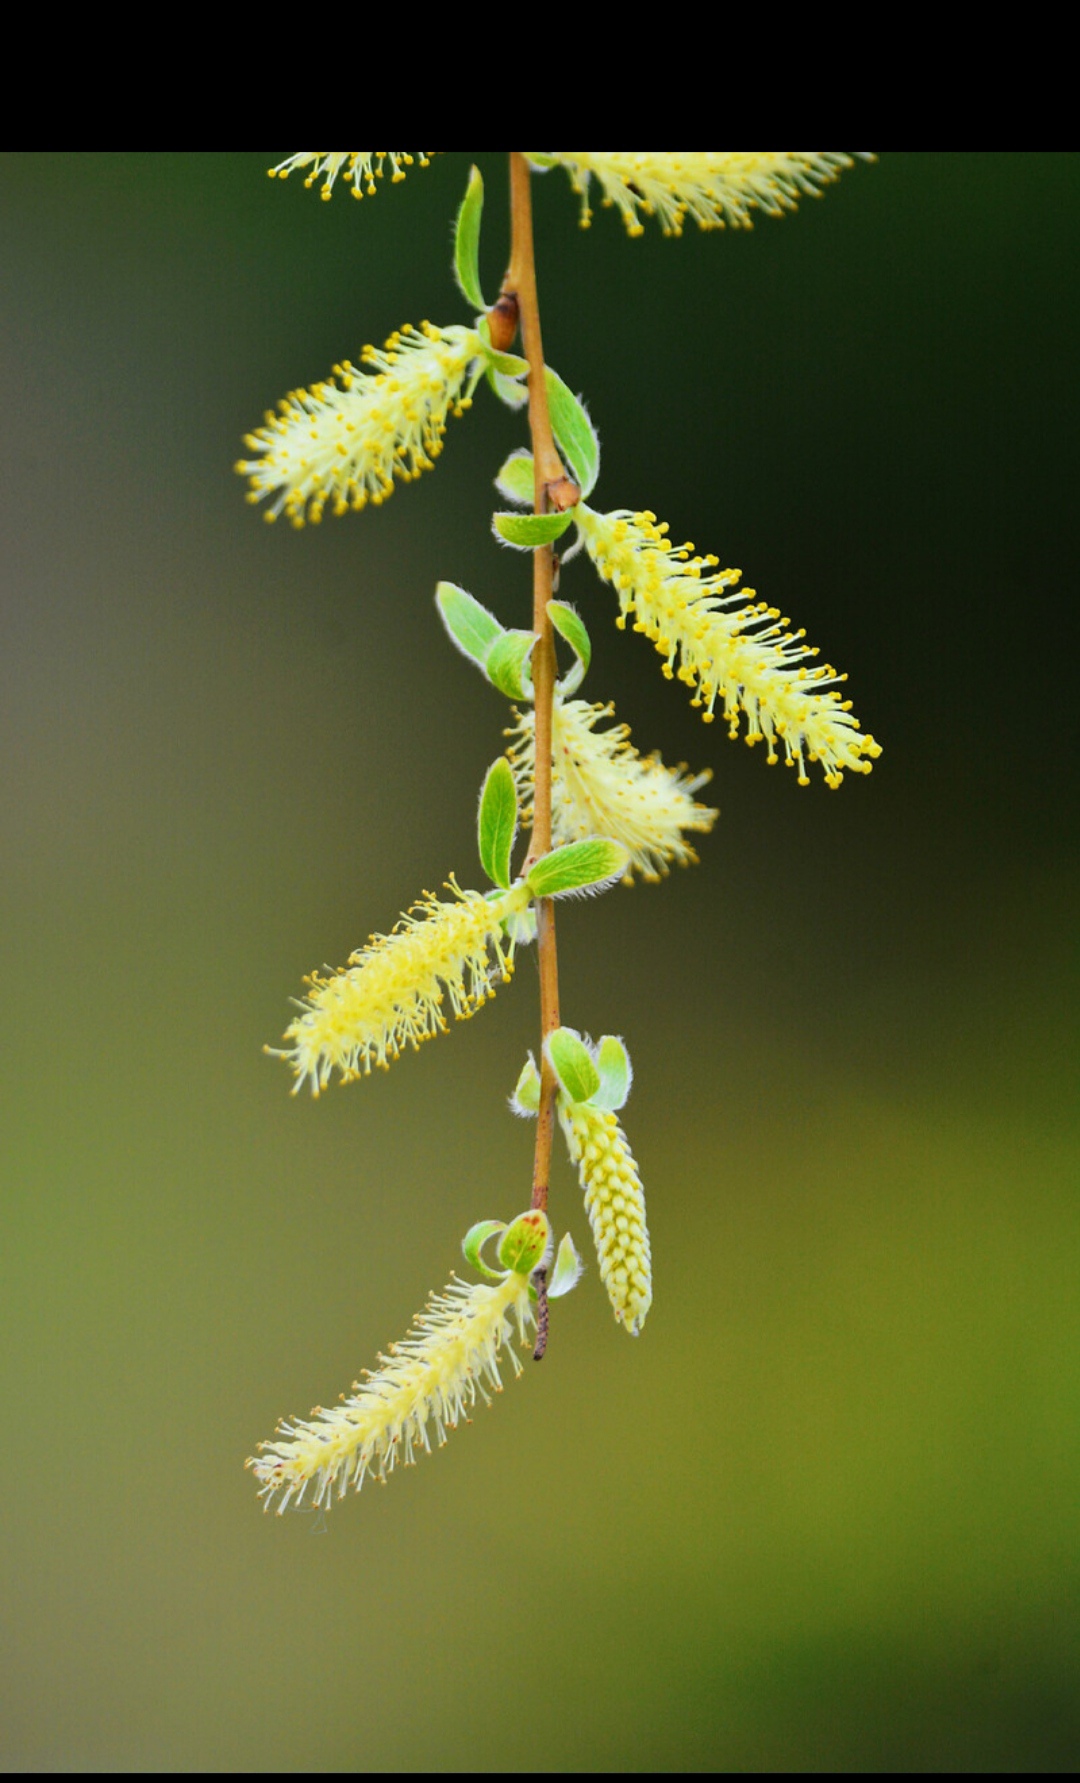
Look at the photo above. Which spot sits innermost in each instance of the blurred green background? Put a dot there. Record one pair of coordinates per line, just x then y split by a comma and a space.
823, 1514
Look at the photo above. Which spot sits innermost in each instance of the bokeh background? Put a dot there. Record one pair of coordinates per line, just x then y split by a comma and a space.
823, 1513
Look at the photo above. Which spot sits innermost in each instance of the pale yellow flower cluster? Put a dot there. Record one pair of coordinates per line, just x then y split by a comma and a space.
394, 991
425, 1386
601, 786
362, 168
615, 1204
714, 187
747, 658
345, 442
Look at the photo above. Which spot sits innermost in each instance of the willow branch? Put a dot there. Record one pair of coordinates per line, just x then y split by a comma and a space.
520, 283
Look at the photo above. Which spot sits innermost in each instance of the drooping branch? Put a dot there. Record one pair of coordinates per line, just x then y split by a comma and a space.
520, 284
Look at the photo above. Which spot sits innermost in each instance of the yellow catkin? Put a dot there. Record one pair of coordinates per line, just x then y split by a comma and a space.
424, 1387
714, 188
361, 168
729, 647
395, 992
345, 441
615, 1204
601, 786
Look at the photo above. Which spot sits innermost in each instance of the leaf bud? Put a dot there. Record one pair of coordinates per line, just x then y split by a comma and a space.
503, 321
525, 1242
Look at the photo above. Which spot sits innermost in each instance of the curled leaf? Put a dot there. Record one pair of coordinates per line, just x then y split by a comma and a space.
573, 1064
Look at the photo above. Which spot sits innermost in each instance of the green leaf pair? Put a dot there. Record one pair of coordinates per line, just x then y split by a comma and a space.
502, 655
586, 866
575, 434
576, 438
524, 1245
503, 369
600, 1075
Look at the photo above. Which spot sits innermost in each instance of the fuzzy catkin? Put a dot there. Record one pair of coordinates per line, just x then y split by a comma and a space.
345, 441
716, 188
601, 786
728, 647
396, 991
615, 1204
430, 1379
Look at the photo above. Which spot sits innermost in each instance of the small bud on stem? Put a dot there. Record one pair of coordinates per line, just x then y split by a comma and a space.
503, 321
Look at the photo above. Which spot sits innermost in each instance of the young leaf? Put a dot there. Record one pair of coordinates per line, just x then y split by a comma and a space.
515, 480
592, 865
507, 664
525, 1241
508, 390
526, 1097
573, 1063
567, 1271
527, 531
497, 822
511, 365
467, 241
570, 625
474, 1241
575, 434
616, 1074
471, 627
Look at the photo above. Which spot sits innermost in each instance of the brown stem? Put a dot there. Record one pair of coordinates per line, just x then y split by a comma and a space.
520, 282
539, 1281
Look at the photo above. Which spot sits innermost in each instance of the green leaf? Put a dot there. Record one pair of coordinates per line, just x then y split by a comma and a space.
528, 531
525, 1241
512, 365
567, 1271
467, 241
507, 664
497, 822
515, 480
526, 1097
513, 394
573, 1064
474, 1241
471, 627
580, 866
574, 432
570, 625
616, 1073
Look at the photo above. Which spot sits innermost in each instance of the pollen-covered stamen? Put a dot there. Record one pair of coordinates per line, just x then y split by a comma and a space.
361, 168
344, 442
615, 1204
747, 658
396, 991
714, 188
423, 1388
601, 786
